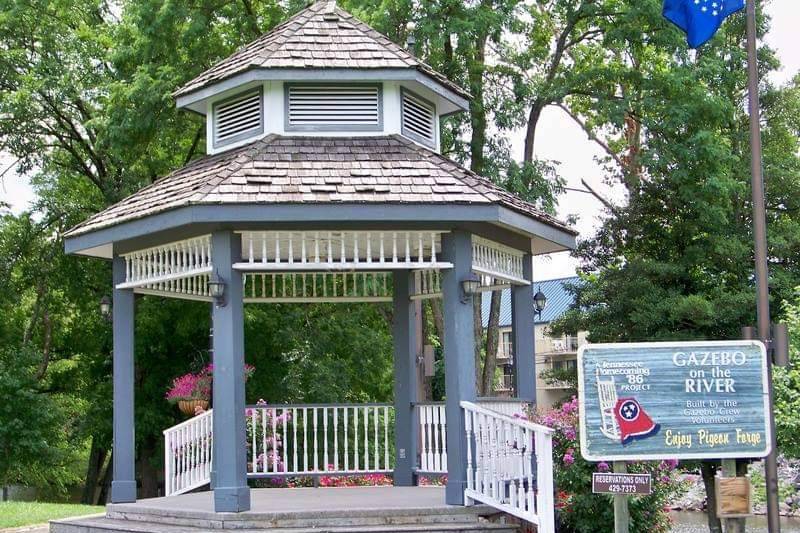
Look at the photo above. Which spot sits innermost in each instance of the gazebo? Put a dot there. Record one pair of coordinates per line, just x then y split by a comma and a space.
323, 182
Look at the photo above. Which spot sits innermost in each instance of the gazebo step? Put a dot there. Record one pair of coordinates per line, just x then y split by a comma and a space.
116, 525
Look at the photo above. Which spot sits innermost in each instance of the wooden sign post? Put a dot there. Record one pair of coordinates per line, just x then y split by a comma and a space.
622, 519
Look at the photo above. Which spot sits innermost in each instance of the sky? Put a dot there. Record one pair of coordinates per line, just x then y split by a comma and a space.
558, 138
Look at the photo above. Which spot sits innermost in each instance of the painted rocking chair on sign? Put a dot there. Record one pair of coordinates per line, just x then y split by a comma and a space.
607, 393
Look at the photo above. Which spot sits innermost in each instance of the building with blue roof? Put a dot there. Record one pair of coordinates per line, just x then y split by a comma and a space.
551, 351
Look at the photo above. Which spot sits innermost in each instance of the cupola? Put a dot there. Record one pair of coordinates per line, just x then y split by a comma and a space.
321, 73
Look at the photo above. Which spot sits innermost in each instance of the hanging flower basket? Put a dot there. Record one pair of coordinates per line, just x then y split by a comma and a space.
192, 392
190, 407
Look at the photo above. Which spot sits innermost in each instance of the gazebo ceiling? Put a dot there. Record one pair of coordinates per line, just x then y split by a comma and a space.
282, 177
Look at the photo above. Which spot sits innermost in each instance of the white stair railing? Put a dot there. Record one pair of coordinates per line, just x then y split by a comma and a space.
187, 454
433, 429
510, 465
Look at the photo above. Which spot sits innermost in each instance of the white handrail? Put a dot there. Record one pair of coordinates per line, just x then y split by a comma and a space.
495, 413
187, 454
510, 465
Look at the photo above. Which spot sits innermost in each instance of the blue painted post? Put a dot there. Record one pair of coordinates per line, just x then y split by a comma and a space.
523, 323
405, 379
231, 493
123, 486
459, 358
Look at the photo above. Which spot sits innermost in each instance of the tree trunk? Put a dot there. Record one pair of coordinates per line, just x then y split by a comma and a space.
438, 319
97, 457
492, 343
530, 130
477, 329
148, 474
709, 471
105, 488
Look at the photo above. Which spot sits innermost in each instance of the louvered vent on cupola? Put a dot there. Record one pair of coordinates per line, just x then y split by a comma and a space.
238, 118
418, 118
330, 107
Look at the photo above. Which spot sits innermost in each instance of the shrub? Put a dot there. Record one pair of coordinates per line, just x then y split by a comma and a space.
581, 511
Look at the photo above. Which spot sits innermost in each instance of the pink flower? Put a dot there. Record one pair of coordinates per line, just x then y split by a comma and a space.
568, 459
602, 466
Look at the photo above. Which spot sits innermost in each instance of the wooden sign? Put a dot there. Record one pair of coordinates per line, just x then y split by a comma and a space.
734, 497
625, 484
682, 400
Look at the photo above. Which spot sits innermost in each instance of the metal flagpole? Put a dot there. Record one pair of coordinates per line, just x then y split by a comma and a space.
760, 235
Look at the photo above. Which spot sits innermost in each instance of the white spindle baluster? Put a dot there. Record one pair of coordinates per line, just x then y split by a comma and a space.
274, 413
385, 438
325, 438
366, 437
355, 438
375, 464
294, 438
336, 438
285, 439
468, 415
316, 443
346, 444
305, 439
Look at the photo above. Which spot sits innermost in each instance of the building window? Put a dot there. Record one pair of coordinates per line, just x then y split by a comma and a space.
418, 118
331, 107
564, 365
506, 344
238, 117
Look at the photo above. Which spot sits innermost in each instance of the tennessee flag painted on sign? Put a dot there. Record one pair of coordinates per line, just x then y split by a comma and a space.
633, 422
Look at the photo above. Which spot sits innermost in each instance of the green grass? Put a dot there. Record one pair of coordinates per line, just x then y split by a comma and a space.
16, 514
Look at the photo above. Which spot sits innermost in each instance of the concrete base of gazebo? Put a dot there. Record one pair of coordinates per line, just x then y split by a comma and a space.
301, 510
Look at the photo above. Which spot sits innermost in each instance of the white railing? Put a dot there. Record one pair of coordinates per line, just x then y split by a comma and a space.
168, 263
433, 430
340, 250
359, 286
187, 454
498, 261
310, 439
432, 438
510, 465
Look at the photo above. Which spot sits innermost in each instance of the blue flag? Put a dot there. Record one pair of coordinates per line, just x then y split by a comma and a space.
700, 19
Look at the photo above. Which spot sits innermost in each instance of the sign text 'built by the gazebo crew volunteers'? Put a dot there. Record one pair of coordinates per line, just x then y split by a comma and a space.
683, 400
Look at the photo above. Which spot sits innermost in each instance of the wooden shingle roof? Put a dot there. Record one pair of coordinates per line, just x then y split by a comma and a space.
321, 36
316, 170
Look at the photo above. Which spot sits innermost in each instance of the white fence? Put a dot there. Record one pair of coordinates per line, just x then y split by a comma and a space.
309, 439
510, 465
187, 454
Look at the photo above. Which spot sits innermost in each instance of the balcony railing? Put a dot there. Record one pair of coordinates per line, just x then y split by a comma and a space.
566, 344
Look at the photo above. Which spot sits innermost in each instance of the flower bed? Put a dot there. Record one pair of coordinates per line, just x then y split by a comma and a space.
581, 511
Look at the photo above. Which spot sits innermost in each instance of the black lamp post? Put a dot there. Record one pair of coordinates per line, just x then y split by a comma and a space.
539, 302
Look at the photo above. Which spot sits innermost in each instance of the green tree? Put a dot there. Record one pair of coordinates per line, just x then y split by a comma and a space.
675, 260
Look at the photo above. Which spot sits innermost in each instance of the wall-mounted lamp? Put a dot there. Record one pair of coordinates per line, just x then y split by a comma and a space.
469, 286
105, 307
216, 289
539, 302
